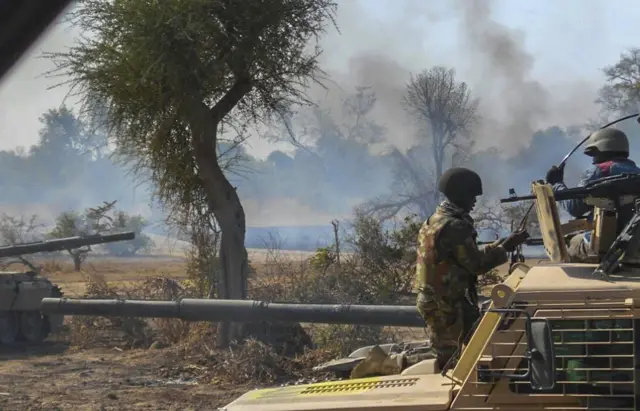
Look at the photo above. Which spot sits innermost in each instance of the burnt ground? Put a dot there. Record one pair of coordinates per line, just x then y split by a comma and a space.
53, 376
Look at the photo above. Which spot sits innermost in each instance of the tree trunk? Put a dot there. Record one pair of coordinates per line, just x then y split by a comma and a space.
77, 262
336, 236
213, 266
234, 269
226, 207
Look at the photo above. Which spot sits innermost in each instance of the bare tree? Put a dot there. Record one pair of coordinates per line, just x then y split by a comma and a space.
445, 112
172, 78
15, 230
621, 92
493, 218
311, 123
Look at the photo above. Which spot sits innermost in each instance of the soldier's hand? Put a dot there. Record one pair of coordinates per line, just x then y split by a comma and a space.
515, 239
555, 175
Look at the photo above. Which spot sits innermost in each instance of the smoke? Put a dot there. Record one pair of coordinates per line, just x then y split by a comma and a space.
515, 105
380, 47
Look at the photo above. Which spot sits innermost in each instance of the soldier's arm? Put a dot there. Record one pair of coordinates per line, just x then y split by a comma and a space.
577, 207
458, 236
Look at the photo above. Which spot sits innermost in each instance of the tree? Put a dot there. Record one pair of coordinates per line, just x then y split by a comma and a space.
69, 224
122, 221
15, 230
332, 163
445, 112
621, 92
58, 156
173, 78
91, 221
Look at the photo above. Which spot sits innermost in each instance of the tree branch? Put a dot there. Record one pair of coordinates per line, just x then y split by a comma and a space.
240, 88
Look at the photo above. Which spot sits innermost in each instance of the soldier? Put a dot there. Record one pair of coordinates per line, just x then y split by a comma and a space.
610, 151
449, 262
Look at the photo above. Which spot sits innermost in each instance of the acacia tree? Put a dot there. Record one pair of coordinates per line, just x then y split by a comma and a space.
173, 77
445, 112
621, 92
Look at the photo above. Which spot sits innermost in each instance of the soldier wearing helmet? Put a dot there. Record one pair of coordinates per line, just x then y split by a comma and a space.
449, 261
609, 149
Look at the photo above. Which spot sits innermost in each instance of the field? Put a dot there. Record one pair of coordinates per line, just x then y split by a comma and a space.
60, 376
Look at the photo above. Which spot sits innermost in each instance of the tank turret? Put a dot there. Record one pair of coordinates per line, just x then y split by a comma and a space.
21, 293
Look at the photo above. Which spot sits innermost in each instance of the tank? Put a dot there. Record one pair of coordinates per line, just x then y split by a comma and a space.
21, 293
554, 336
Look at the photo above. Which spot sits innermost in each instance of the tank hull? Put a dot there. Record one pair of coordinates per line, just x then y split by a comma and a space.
20, 316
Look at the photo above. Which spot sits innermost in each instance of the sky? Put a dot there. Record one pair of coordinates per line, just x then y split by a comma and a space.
568, 43
533, 64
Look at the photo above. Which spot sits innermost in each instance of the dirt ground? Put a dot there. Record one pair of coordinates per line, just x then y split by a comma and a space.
56, 376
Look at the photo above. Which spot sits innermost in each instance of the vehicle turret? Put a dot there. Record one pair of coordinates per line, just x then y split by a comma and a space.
21, 293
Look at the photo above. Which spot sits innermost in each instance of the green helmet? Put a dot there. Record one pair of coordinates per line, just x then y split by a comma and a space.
460, 184
607, 140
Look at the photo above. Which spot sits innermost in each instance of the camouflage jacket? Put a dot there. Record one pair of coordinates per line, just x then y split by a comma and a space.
448, 255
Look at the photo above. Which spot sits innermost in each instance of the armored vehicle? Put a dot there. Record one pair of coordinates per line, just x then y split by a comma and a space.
22, 292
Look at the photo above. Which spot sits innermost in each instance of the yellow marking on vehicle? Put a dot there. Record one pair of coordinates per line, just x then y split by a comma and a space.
332, 388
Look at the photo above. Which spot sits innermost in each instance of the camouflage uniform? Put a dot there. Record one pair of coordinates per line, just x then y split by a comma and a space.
449, 262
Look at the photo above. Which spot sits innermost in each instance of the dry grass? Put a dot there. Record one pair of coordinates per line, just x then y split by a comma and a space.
116, 272
127, 271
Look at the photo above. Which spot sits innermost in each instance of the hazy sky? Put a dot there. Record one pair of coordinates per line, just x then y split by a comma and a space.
569, 41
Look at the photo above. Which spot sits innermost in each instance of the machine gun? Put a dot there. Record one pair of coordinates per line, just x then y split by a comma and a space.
607, 193
610, 193
61, 244
528, 241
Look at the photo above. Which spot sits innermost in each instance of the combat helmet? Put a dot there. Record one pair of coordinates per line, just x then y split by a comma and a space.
460, 183
607, 140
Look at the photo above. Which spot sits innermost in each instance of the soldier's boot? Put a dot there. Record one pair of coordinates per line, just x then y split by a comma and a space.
444, 355
378, 363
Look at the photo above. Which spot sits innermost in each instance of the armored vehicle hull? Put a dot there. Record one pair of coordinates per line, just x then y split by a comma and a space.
20, 316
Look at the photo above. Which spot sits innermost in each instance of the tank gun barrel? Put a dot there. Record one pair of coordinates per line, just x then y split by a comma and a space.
238, 311
60, 244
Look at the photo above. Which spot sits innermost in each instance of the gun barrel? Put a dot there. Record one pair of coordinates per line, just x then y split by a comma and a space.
60, 244
515, 199
529, 241
238, 311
